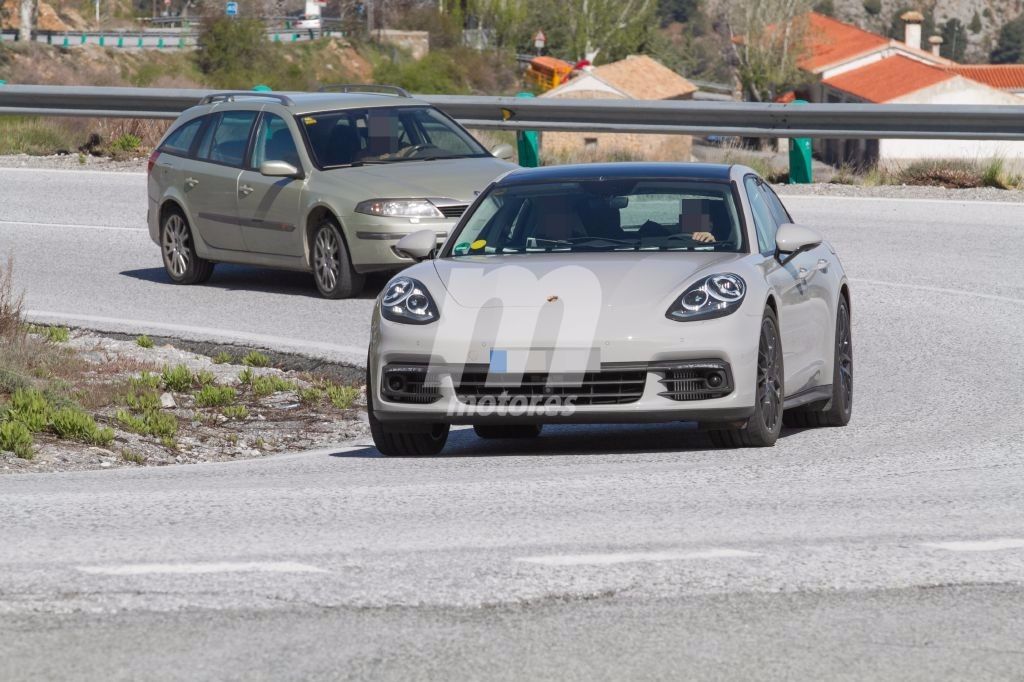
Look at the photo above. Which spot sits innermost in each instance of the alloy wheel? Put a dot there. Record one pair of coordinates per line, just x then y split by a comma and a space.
844, 355
177, 252
769, 386
326, 259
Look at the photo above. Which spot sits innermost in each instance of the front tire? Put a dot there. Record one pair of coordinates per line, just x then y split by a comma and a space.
332, 266
508, 430
397, 442
181, 262
839, 409
763, 427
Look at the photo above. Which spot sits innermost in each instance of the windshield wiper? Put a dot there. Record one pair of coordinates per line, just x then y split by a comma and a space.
662, 242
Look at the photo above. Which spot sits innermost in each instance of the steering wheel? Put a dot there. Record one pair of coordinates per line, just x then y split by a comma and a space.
408, 152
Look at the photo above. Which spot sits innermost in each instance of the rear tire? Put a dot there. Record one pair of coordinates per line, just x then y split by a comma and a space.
178, 248
391, 440
838, 410
333, 272
508, 430
763, 427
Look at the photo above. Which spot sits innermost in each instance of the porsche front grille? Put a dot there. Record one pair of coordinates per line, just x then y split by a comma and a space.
605, 387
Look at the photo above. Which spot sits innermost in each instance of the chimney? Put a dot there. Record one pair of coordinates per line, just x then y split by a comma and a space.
936, 43
912, 21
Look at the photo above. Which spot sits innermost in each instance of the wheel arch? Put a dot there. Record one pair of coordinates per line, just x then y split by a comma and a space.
317, 215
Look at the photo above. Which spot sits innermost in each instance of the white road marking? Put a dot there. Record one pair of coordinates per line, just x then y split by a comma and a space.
117, 324
22, 223
937, 290
196, 569
901, 200
633, 557
993, 545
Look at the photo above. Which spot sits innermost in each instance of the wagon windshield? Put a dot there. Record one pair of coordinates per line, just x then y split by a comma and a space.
603, 215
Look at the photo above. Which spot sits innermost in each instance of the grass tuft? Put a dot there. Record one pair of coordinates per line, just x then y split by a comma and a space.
342, 397
144, 341
71, 423
268, 385
15, 437
256, 359
132, 457
177, 378
29, 407
215, 396
246, 376
238, 412
150, 423
223, 358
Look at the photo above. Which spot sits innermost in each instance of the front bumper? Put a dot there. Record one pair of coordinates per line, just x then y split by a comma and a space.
729, 341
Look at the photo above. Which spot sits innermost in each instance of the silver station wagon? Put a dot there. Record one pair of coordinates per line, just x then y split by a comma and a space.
325, 183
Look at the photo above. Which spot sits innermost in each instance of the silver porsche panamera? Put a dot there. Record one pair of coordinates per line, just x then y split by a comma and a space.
613, 293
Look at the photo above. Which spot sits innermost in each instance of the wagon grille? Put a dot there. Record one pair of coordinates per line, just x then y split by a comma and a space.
605, 387
455, 211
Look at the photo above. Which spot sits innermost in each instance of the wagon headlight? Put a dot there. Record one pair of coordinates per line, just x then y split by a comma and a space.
708, 298
408, 301
399, 208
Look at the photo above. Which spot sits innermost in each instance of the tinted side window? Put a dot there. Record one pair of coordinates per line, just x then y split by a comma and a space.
274, 142
180, 141
775, 204
764, 221
227, 138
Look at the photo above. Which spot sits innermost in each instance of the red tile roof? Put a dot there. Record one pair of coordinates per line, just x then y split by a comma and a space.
1001, 76
888, 79
830, 41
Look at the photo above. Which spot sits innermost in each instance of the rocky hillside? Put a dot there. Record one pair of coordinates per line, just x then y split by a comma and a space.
981, 19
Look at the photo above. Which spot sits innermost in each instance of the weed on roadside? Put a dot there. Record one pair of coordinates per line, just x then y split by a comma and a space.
342, 397
144, 341
132, 457
205, 378
177, 378
256, 359
246, 376
238, 412
215, 396
29, 407
223, 358
74, 424
15, 437
150, 423
268, 385
145, 380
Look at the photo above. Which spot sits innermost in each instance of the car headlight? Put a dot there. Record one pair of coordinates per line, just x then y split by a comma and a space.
708, 298
407, 300
399, 208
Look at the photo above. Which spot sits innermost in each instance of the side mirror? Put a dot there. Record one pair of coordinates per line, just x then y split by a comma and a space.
418, 245
280, 169
504, 152
792, 240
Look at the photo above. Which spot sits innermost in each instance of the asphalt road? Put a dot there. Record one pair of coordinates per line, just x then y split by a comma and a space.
893, 548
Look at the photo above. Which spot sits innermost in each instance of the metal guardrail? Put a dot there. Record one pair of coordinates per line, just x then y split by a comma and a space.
748, 119
149, 39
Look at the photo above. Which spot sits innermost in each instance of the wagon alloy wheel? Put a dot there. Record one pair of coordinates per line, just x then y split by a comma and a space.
326, 259
838, 410
176, 251
769, 386
763, 427
182, 263
332, 267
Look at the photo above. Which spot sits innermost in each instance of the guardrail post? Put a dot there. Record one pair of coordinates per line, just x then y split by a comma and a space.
181, 43
527, 143
277, 37
66, 43
160, 43
102, 40
139, 44
84, 39
120, 41
801, 170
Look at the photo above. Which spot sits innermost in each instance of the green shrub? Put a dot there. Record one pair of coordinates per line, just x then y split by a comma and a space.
74, 424
215, 396
222, 358
264, 386
144, 341
151, 423
56, 334
133, 457
15, 437
29, 407
246, 376
128, 142
342, 397
235, 412
177, 378
313, 394
256, 359
205, 377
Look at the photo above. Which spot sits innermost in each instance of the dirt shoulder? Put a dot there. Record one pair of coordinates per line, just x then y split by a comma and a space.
94, 402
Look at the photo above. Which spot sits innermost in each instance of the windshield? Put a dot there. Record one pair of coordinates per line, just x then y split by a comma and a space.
384, 135
603, 215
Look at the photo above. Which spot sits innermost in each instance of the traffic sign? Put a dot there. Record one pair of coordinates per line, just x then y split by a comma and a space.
231, 9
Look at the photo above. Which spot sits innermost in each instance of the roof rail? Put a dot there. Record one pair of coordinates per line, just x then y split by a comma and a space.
231, 96
366, 87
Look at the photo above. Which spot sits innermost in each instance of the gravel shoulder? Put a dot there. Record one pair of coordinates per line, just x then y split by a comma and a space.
82, 162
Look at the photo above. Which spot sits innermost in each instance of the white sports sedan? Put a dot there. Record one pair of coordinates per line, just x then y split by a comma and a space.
612, 294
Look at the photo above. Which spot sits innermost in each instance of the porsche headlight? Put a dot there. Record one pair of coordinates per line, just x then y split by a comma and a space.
708, 298
408, 301
399, 208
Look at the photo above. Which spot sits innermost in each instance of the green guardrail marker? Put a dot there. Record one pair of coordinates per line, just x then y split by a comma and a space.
139, 44
3, 82
261, 88
66, 43
120, 41
160, 43
84, 38
277, 38
181, 43
528, 143
801, 172
102, 41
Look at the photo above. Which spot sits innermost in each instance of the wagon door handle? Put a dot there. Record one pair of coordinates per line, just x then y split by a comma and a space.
190, 183
245, 190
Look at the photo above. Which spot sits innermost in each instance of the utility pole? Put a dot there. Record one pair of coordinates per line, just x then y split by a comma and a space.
27, 14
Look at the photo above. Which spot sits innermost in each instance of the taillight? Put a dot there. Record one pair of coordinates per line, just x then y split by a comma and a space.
152, 160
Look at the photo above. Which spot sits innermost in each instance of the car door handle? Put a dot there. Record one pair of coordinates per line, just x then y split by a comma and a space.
190, 183
822, 265
245, 190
